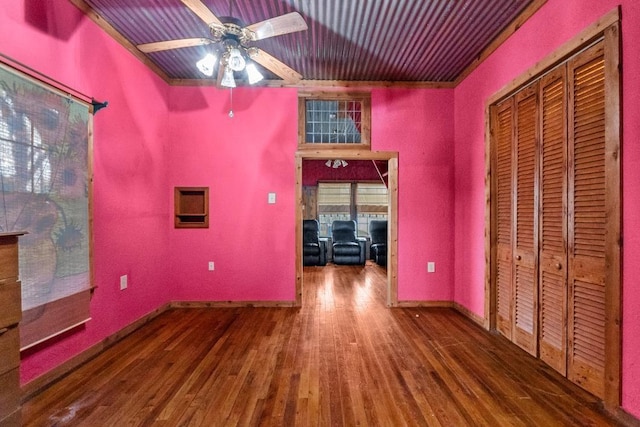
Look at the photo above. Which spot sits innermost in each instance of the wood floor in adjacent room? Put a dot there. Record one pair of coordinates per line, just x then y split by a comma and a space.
343, 359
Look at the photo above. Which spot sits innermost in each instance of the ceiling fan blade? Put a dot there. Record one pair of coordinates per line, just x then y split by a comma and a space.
173, 44
202, 11
279, 68
283, 24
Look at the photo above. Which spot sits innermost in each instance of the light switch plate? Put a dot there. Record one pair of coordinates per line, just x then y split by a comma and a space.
124, 282
272, 198
431, 267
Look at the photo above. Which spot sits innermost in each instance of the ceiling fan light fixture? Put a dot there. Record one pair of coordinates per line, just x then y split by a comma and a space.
336, 163
207, 64
236, 60
227, 78
232, 42
253, 74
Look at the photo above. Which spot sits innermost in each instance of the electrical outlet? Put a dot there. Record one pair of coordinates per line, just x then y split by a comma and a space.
431, 267
211, 266
124, 282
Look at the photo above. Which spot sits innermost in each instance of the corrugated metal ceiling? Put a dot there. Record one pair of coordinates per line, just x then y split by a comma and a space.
355, 40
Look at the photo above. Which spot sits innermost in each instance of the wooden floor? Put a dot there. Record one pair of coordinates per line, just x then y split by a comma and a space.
344, 358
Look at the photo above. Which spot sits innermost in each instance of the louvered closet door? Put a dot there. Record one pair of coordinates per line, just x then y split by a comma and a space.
503, 131
524, 222
552, 291
587, 220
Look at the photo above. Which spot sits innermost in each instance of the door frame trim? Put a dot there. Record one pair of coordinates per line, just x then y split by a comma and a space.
392, 244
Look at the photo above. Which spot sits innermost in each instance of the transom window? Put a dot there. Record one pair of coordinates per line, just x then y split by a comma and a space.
339, 120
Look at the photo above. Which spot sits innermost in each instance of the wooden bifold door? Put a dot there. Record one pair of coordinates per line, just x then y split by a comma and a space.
555, 207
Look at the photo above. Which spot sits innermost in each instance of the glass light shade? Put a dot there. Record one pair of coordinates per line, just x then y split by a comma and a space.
227, 78
328, 164
253, 74
207, 64
236, 61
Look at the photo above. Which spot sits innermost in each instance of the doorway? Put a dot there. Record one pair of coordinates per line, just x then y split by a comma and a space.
392, 244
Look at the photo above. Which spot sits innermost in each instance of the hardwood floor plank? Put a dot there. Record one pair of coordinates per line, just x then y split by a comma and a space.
342, 359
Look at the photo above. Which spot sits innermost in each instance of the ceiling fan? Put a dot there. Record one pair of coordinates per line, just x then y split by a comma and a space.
232, 41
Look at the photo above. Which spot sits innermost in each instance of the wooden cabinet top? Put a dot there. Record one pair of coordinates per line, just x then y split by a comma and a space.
12, 234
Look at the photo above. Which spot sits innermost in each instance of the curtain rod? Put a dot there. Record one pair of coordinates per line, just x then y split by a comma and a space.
52, 82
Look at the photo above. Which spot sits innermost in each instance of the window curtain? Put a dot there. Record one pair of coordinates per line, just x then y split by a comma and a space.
44, 152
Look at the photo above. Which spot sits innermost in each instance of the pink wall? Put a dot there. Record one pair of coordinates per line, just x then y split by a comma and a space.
556, 23
131, 201
417, 123
243, 159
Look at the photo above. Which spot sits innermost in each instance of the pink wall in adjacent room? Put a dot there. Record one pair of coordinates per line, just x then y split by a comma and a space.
356, 170
131, 204
556, 23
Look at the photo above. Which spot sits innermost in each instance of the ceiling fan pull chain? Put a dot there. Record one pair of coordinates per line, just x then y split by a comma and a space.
231, 102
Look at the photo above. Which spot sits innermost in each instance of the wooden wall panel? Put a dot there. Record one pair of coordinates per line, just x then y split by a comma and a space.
310, 202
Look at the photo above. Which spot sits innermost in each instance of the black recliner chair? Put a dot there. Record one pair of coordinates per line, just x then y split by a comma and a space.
348, 248
314, 250
378, 234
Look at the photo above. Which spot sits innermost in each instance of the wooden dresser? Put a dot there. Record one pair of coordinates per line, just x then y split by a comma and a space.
10, 314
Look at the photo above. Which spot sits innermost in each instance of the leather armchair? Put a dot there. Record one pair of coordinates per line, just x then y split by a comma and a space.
314, 249
347, 247
378, 234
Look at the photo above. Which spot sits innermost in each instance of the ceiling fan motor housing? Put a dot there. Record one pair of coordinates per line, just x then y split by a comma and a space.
231, 28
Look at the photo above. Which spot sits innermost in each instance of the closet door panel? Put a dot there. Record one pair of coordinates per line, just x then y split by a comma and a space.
503, 132
525, 222
552, 290
587, 220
